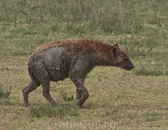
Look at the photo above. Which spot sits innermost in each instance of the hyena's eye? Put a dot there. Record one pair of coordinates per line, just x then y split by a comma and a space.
125, 59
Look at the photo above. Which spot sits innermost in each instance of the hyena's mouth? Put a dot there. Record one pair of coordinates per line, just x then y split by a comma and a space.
130, 67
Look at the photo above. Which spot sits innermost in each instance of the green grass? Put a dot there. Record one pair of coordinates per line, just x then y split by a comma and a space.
50, 111
118, 99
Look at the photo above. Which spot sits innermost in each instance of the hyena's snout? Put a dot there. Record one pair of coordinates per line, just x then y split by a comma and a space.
128, 65
131, 66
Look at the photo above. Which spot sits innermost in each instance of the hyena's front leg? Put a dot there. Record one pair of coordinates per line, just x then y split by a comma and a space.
84, 96
81, 92
77, 74
78, 94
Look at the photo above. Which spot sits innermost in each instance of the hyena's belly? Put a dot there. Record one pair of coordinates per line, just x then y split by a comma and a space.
57, 61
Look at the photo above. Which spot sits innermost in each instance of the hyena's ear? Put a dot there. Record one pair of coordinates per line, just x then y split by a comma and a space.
114, 51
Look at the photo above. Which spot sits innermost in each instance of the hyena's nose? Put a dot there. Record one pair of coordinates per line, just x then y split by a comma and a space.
131, 66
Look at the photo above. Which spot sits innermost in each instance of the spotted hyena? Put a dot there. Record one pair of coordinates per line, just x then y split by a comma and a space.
73, 58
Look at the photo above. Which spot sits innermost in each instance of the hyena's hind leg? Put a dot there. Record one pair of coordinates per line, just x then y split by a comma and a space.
46, 92
29, 88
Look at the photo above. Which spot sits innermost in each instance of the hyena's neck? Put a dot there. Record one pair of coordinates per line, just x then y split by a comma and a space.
104, 60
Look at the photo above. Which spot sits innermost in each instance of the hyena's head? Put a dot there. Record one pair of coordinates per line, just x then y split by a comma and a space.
120, 58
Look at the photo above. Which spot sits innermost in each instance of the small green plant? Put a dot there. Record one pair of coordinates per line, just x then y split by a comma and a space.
65, 97
4, 93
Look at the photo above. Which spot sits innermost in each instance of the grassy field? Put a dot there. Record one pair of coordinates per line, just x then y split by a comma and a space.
119, 99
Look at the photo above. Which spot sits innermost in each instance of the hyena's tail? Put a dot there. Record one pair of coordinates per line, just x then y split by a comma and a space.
32, 76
